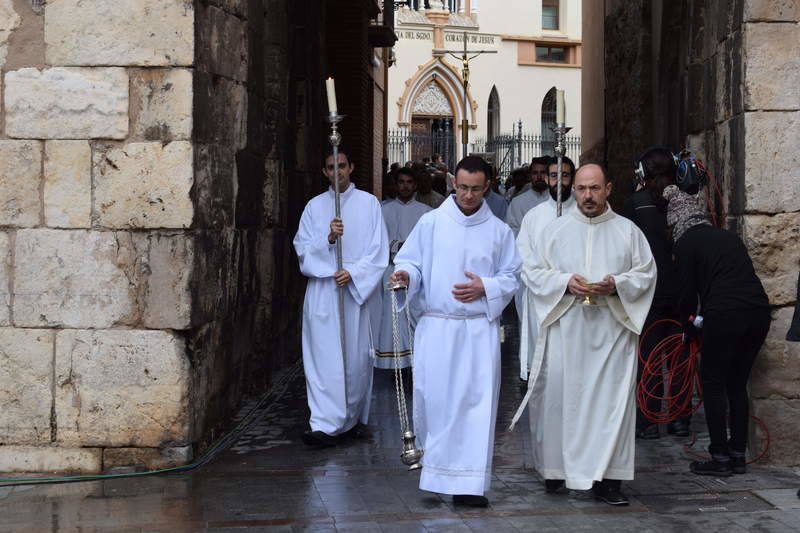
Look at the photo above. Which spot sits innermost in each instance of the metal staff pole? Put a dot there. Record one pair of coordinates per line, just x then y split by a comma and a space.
561, 147
335, 138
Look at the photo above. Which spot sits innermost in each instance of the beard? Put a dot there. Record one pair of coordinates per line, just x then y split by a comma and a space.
566, 190
539, 185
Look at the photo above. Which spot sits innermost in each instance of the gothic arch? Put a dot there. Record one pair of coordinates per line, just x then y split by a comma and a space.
449, 81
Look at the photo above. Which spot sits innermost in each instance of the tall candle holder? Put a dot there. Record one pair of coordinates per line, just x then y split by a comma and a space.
335, 138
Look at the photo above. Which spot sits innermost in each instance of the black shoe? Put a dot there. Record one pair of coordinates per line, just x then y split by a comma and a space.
679, 428
470, 500
318, 439
712, 468
739, 464
553, 485
648, 432
359, 431
611, 494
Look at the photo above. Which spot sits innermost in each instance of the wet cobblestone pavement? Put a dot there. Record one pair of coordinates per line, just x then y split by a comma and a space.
268, 481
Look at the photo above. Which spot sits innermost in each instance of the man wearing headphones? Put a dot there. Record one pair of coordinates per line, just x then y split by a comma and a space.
655, 170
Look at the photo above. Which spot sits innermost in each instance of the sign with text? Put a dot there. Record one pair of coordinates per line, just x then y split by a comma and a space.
472, 39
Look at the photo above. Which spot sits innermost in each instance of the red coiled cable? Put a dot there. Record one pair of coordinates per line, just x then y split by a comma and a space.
674, 361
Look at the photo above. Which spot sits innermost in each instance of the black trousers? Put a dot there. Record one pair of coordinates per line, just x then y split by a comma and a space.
658, 311
731, 341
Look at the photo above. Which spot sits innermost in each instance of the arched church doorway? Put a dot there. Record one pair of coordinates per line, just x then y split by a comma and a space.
432, 125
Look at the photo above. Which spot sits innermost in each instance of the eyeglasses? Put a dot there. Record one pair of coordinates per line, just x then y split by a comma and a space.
467, 188
342, 166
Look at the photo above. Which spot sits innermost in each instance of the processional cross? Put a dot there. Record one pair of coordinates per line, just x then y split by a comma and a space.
465, 59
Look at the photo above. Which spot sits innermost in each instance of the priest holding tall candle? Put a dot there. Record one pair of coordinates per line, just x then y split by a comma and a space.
337, 359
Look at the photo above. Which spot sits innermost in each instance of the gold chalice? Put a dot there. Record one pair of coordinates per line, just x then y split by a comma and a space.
588, 300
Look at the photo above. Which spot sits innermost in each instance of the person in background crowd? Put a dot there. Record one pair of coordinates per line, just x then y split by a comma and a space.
425, 192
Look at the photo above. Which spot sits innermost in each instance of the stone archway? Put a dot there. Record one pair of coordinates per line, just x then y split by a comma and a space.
449, 81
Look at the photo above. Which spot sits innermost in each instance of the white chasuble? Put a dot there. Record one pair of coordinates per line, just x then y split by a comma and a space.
456, 344
400, 219
365, 256
532, 227
581, 388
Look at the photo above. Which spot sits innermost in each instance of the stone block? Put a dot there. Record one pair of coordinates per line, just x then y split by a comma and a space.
120, 32
20, 178
776, 372
772, 161
168, 300
68, 184
148, 458
51, 459
215, 181
237, 7
26, 380
144, 185
74, 278
9, 21
121, 388
774, 246
772, 68
220, 112
222, 40
5, 276
771, 10
161, 107
67, 103
782, 417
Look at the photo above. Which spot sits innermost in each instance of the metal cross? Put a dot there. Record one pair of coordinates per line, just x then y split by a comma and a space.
465, 59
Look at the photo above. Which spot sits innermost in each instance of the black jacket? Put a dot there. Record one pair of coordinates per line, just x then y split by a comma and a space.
713, 264
652, 220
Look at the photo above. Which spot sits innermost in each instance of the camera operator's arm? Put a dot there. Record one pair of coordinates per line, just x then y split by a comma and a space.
685, 265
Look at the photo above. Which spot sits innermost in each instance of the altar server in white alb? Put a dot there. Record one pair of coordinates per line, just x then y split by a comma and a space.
365, 257
592, 278
400, 216
531, 228
463, 261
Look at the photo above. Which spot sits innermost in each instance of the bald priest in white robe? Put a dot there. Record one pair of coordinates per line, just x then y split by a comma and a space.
400, 215
581, 389
464, 261
531, 227
365, 257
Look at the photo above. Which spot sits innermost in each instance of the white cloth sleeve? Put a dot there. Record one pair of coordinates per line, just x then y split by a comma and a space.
316, 255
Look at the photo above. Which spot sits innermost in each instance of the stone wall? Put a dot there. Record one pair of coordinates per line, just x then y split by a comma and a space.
721, 78
96, 173
155, 156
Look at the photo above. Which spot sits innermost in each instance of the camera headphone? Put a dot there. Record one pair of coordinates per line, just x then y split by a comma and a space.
690, 176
